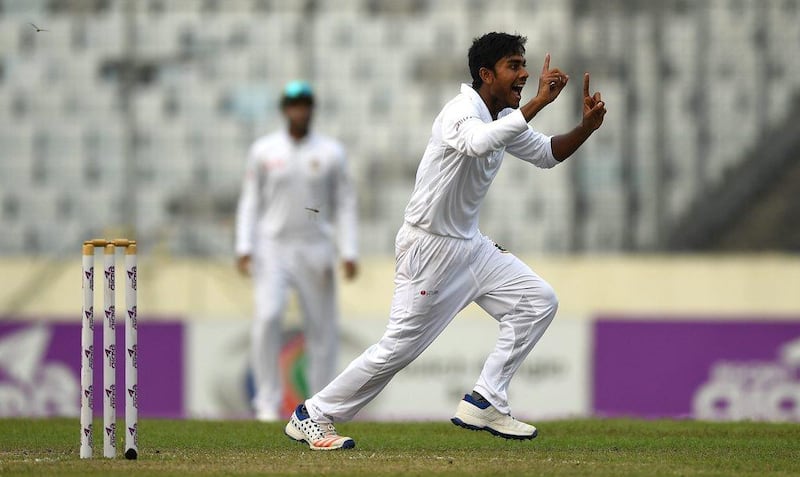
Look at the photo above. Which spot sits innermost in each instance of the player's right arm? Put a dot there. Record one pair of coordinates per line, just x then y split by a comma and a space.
247, 214
464, 130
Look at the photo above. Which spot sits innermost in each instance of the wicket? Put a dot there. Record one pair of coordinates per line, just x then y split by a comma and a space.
109, 350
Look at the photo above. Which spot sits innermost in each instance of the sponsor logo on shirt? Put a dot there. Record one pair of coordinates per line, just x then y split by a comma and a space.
462, 121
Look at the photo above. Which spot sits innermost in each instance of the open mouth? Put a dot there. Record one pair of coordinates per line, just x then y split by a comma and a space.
517, 89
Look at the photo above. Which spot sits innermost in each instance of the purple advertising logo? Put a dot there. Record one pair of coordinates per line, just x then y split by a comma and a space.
134, 393
134, 356
111, 356
111, 392
87, 393
132, 277
90, 277
40, 365
714, 370
111, 316
134, 431
132, 317
110, 277
89, 353
112, 431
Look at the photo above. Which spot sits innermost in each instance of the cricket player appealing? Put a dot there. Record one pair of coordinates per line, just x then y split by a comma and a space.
443, 262
296, 186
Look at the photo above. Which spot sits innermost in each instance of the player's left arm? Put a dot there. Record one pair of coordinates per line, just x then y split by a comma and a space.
346, 217
534, 147
594, 109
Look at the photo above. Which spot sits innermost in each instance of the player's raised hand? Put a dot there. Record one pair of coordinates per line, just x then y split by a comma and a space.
551, 81
594, 108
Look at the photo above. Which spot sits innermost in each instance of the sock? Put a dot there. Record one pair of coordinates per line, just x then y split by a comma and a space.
477, 397
302, 412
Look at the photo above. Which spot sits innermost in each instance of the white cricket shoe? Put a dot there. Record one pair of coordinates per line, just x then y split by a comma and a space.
479, 415
317, 435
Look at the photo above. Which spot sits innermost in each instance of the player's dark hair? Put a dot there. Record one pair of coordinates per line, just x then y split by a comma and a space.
487, 50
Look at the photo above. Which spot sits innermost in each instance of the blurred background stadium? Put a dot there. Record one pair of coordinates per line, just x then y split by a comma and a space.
133, 118
137, 115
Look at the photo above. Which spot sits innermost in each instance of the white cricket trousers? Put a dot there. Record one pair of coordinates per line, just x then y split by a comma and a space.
435, 278
309, 268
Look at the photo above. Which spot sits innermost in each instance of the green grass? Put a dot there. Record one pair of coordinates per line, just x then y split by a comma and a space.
575, 447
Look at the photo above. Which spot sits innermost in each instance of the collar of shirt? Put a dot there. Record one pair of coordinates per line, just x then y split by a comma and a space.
307, 139
469, 91
476, 99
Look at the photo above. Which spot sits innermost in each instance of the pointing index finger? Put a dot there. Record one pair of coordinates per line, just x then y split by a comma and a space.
585, 85
546, 66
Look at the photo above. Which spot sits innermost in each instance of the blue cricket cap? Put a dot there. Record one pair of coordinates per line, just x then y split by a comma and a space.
297, 90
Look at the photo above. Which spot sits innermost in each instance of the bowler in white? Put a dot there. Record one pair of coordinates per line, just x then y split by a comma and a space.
443, 262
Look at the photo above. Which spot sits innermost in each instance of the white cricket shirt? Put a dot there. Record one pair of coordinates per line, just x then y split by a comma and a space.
296, 191
463, 156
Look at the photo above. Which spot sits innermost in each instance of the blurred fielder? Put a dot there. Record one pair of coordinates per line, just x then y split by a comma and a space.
295, 188
443, 262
